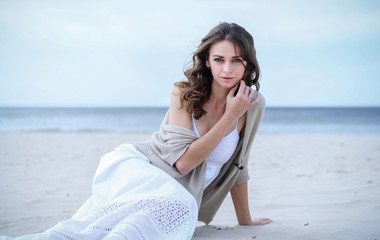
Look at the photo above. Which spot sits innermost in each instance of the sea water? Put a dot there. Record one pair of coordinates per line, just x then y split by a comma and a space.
148, 119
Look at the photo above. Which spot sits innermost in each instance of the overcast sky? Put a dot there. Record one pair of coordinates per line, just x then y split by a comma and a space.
129, 53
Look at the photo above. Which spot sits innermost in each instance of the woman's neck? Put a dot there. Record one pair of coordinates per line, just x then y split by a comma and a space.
218, 96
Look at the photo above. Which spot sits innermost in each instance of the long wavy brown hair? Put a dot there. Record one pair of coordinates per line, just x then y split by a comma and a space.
195, 91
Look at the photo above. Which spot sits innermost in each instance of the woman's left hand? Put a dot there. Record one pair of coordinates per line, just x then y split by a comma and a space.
261, 221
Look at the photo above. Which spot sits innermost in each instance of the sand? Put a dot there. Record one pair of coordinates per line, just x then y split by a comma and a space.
313, 186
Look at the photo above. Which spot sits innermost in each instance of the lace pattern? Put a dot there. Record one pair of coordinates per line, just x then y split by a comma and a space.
169, 217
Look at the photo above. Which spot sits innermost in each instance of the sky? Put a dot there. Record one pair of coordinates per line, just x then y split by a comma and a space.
121, 53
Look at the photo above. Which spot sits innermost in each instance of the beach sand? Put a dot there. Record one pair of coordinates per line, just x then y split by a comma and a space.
321, 186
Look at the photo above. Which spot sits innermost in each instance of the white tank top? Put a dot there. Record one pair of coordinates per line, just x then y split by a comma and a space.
221, 154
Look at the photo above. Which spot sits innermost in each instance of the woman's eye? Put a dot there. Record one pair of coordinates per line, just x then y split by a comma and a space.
218, 59
237, 60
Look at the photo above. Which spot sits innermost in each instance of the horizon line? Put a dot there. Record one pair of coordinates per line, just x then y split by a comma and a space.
167, 106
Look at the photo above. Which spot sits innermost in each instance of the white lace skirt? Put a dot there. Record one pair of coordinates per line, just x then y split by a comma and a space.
131, 199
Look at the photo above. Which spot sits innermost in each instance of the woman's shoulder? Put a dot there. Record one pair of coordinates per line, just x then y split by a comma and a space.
179, 115
176, 89
175, 97
261, 100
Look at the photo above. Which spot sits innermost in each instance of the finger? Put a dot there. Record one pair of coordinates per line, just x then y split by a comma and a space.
233, 90
241, 87
246, 88
251, 94
255, 101
266, 220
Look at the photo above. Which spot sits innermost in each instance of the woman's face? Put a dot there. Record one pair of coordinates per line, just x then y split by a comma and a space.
227, 66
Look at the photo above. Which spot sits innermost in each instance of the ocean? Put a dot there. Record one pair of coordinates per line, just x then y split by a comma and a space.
148, 119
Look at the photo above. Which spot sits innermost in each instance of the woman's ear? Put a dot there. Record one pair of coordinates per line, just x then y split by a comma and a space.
207, 63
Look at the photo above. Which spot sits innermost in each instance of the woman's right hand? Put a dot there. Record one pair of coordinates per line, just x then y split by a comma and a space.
237, 105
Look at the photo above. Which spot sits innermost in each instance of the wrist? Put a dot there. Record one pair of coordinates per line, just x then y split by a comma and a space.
228, 120
246, 222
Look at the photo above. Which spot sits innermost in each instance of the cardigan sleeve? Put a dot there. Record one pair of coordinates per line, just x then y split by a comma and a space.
255, 119
243, 174
168, 144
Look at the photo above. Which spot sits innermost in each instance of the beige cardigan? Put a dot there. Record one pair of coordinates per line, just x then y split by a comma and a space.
170, 142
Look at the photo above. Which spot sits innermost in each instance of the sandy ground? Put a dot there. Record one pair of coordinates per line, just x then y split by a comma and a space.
312, 186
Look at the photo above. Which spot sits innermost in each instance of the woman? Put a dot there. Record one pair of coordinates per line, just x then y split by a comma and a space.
159, 188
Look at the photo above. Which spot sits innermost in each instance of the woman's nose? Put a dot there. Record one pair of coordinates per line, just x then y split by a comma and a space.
227, 67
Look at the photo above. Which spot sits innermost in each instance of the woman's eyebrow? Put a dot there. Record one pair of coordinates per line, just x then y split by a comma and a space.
223, 57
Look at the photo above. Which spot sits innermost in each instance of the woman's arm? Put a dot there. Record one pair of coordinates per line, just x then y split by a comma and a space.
239, 194
198, 150
201, 148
